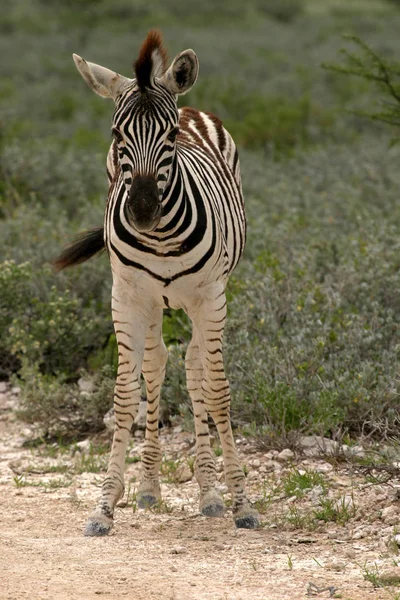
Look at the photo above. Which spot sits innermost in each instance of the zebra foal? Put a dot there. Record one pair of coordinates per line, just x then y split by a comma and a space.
174, 229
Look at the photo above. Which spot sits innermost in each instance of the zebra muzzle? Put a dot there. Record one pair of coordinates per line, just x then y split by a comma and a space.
143, 208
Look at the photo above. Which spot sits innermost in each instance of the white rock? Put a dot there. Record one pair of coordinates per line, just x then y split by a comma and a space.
285, 455
315, 493
344, 503
323, 467
313, 445
109, 420
84, 446
353, 451
85, 386
390, 515
256, 463
335, 565
183, 473
3, 387
16, 390
140, 420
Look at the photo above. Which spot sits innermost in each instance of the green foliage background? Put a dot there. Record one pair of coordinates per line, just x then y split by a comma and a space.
312, 341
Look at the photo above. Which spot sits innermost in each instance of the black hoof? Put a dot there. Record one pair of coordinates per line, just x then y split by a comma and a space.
96, 529
215, 509
247, 522
147, 500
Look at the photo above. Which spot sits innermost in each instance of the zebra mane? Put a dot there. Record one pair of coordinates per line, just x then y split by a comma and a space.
152, 60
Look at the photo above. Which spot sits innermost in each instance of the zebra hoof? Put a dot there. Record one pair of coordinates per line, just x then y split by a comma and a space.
247, 519
96, 528
147, 500
212, 505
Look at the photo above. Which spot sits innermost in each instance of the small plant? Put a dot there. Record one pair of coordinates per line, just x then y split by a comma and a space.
168, 470
263, 503
290, 562
372, 574
129, 460
300, 519
339, 511
217, 450
297, 483
19, 481
161, 508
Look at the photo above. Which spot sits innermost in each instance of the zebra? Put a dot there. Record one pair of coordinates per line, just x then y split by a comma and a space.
174, 229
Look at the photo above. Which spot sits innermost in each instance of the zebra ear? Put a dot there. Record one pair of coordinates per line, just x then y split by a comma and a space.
104, 82
182, 74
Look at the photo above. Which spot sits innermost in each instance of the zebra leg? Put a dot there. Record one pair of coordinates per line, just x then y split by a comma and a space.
153, 369
130, 330
211, 503
210, 321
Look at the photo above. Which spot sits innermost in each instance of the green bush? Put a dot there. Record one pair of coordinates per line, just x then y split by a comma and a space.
60, 410
312, 339
283, 10
44, 326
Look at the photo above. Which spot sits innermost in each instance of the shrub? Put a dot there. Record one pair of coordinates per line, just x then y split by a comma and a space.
46, 327
61, 410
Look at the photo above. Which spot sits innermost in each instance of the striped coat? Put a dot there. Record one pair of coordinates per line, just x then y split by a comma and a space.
174, 230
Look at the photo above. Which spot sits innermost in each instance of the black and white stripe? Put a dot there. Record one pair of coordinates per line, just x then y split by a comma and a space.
174, 229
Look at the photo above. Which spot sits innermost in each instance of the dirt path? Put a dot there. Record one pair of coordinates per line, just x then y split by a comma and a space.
173, 555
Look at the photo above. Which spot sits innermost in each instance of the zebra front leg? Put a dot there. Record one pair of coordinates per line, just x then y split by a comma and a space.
210, 321
153, 369
211, 503
130, 330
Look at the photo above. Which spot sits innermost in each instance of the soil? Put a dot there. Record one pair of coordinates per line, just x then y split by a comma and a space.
174, 553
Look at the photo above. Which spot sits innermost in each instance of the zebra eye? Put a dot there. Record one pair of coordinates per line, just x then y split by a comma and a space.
117, 136
172, 134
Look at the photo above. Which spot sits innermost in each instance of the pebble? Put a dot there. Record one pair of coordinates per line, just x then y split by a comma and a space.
390, 577
16, 390
3, 387
335, 565
140, 419
84, 446
286, 455
272, 465
109, 420
313, 445
315, 493
179, 550
183, 473
344, 503
323, 468
85, 386
390, 515
256, 463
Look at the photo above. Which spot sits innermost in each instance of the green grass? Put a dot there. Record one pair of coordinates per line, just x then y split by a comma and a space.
297, 483
317, 348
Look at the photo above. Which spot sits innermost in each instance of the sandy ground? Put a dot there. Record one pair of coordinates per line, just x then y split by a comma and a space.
174, 555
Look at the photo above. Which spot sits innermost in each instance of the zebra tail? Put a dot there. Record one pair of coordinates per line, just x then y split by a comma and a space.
87, 244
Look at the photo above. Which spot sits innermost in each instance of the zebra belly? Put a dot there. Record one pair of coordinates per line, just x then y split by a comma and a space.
186, 292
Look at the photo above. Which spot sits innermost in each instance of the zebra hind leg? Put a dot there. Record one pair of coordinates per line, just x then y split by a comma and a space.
211, 502
153, 369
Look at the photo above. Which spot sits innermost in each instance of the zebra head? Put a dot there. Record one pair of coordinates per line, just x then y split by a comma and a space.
145, 123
